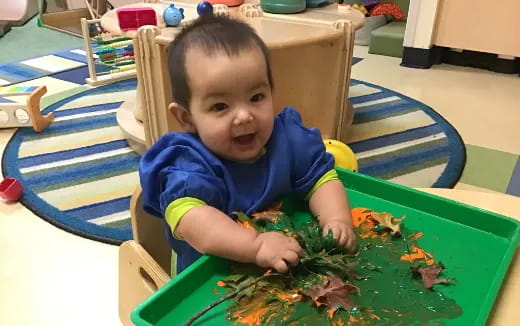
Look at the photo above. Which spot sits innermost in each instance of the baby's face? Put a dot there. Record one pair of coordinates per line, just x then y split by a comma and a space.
231, 103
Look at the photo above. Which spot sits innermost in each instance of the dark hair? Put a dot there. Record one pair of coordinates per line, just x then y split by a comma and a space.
212, 33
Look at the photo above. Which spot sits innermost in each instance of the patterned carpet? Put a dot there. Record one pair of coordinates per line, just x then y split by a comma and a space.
17, 72
79, 173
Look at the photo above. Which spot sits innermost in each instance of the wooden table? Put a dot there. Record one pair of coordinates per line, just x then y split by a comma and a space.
325, 85
506, 310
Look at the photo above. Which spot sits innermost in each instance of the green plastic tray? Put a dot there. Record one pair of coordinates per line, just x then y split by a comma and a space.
477, 246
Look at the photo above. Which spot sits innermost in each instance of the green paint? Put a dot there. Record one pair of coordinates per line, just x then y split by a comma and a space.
390, 294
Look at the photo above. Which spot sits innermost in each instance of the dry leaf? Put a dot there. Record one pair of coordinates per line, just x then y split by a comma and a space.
271, 214
333, 293
387, 220
429, 275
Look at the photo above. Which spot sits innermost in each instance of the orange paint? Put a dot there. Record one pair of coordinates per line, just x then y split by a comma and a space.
373, 316
417, 254
362, 220
315, 299
246, 224
271, 213
221, 283
340, 323
352, 318
358, 217
416, 236
253, 318
331, 312
289, 297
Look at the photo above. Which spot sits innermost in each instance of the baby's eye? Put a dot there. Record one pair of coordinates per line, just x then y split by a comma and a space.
219, 107
257, 97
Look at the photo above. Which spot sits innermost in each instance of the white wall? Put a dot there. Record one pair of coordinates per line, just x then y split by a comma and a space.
420, 23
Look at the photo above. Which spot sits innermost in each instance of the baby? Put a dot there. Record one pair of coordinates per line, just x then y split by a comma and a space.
235, 155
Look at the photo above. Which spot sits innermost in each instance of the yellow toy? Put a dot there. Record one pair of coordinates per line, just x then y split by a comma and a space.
344, 157
361, 8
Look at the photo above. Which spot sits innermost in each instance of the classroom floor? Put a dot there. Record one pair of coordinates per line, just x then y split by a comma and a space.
51, 277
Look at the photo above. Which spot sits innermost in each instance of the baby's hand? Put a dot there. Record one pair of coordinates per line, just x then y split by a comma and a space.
277, 251
341, 232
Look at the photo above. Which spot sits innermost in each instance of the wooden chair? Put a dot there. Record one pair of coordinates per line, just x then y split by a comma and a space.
310, 73
144, 263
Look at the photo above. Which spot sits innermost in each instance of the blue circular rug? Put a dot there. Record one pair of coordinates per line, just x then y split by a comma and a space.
79, 173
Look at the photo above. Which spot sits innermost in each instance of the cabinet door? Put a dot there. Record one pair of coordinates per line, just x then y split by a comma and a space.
480, 25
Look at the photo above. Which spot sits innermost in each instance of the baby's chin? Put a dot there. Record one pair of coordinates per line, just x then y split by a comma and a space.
241, 155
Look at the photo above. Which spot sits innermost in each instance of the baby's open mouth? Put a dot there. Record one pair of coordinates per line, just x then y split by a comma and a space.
245, 139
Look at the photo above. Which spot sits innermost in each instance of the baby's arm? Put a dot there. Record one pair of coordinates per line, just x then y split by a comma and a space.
330, 204
210, 231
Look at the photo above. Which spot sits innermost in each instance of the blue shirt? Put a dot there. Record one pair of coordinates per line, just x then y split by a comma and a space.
179, 165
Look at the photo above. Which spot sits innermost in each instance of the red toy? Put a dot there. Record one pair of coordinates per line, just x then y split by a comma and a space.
387, 8
11, 189
133, 18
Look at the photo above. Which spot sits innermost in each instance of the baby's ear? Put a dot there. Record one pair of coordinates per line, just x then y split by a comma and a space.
183, 116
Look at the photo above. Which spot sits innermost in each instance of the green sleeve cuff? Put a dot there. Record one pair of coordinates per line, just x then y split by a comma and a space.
328, 176
178, 208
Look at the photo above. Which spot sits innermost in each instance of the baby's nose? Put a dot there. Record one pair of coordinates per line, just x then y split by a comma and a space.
243, 116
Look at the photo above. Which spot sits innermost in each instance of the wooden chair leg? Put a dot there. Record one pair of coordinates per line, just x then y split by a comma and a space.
139, 276
39, 122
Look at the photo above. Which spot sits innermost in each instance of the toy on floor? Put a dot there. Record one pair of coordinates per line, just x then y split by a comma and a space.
372, 8
114, 56
13, 114
11, 189
283, 6
360, 8
133, 18
344, 157
204, 8
173, 16
387, 8
229, 3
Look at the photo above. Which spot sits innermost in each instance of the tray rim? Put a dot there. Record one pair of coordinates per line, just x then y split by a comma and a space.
487, 304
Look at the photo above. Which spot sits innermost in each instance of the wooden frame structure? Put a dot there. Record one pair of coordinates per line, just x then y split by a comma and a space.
68, 20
